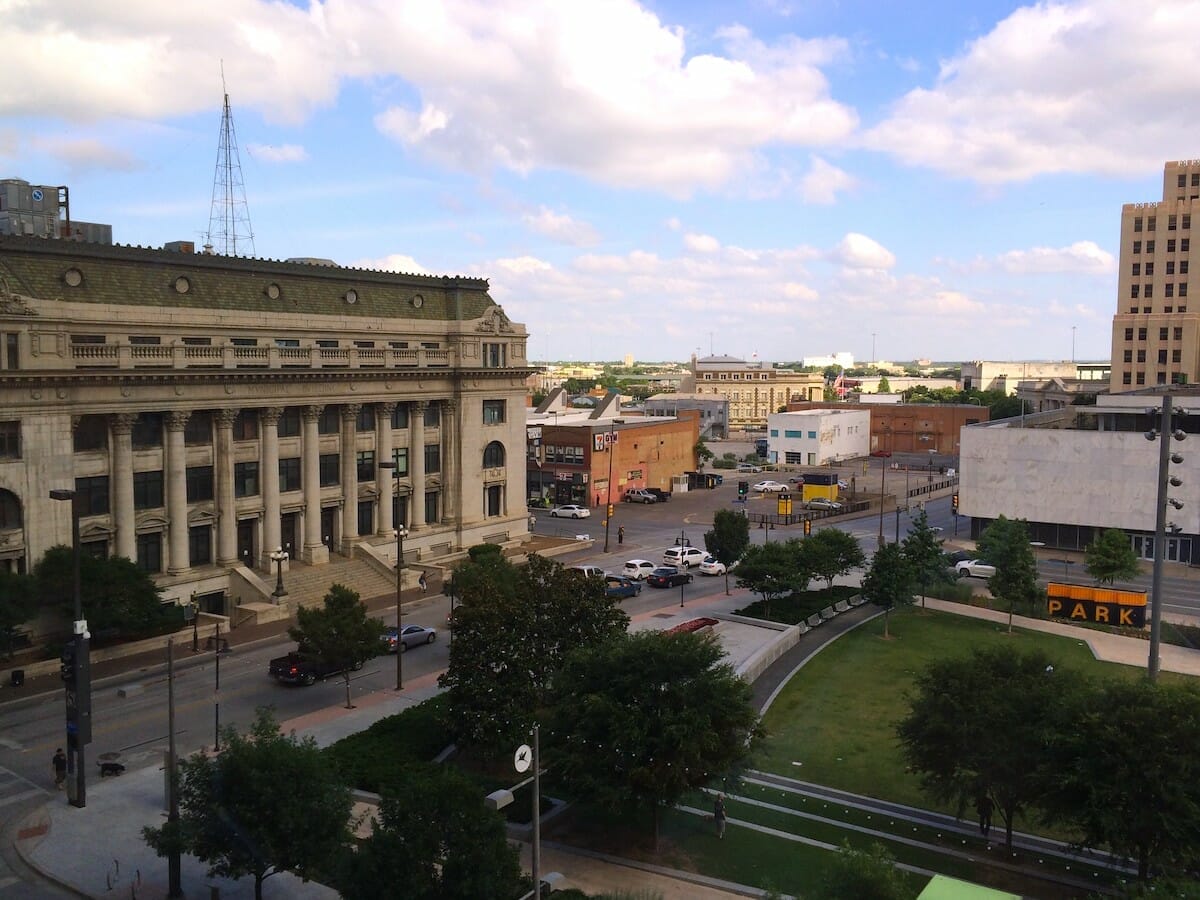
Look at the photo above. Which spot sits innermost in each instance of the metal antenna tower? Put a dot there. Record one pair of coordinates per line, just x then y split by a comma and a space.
229, 230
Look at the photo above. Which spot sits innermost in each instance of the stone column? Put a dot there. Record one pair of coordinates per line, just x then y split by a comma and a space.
268, 465
349, 460
177, 506
416, 463
384, 478
451, 431
226, 506
122, 468
314, 552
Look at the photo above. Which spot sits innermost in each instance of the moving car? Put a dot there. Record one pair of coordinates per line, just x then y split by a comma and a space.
588, 571
620, 587
747, 467
411, 636
823, 503
639, 495
668, 576
637, 568
299, 668
974, 568
570, 511
685, 557
712, 566
770, 487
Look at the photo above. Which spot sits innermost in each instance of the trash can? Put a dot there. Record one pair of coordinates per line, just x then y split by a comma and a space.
17, 676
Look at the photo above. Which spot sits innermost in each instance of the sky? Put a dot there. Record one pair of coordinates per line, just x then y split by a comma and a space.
769, 179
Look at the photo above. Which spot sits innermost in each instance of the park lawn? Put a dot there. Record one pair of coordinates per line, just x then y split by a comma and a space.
834, 723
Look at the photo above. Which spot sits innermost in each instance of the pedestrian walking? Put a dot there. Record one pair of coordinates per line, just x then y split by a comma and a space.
422, 583
984, 806
60, 768
719, 814
621, 534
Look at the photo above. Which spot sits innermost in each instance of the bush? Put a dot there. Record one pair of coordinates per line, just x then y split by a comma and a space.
371, 759
795, 608
483, 551
954, 591
724, 463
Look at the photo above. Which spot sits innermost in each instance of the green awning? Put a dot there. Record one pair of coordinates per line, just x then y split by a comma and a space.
941, 887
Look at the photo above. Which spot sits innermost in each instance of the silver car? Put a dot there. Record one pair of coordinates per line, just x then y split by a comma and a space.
411, 636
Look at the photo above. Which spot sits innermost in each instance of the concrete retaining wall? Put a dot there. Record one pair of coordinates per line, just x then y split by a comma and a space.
761, 659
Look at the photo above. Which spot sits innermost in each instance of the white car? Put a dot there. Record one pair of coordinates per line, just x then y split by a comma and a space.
570, 511
683, 557
638, 568
770, 487
974, 568
711, 566
747, 467
843, 484
823, 503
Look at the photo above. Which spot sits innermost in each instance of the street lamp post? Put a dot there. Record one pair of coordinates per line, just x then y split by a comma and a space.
682, 544
76, 672
278, 556
609, 505
883, 492
401, 534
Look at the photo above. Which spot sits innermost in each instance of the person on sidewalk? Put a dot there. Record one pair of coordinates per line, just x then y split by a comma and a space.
984, 806
719, 814
422, 583
60, 768
621, 534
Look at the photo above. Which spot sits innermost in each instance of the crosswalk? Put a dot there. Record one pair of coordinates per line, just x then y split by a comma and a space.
17, 794
16, 789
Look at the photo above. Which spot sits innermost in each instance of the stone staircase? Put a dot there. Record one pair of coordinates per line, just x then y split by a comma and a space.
308, 585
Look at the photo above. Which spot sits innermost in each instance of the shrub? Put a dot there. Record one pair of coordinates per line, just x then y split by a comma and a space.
483, 551
371, 759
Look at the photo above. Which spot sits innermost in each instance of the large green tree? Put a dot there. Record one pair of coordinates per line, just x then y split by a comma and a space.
515, 626
1005, 544
728, 540
829, 553
340, 633
117, 597
641, 719
436, 840
1110, 557
923, 550
889, 581
980, 725
18, 604
267, 803
1126, 776
773, 570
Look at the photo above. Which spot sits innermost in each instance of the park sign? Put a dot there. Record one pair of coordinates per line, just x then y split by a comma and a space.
1103, 606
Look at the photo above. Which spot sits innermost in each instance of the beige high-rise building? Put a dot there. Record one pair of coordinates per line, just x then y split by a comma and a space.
754, 390
1156, 331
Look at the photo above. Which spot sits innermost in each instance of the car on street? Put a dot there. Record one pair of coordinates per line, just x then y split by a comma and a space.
974, 568
712, 566
748, 467
954, 557
410, 636
683, 557
637, 568
796, 479
570, 511
299, 667
770, 487
588, 571
639, 495
660, 495
668, 576
620, 587
823, 503
843, 484
883, 453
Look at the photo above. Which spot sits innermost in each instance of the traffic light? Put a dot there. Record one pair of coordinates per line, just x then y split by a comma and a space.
743, 488
610, 510
67, 670
807, 527
954, 502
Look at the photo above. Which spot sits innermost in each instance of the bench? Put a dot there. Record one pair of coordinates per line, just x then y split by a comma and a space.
803, 628
841, 606
828, 613
814, 620
858, 600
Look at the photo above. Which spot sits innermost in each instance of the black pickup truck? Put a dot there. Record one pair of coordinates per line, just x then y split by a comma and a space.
661, 495
296, 668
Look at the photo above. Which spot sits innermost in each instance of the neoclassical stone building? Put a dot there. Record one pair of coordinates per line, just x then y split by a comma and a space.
208, 410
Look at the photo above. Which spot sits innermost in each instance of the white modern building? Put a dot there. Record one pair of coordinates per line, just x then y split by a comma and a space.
815, 437
843, 359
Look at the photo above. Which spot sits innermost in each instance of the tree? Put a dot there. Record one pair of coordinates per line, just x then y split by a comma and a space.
447, 845
18, 604
773, 570
1110, 557
830, 553
1123, 773
645, 717
340, 633
884, 386
511, 633
978, 726
923, 550
1005, 544
268, 803
728, 540
116, 595
703, 454
863, 874
889, 581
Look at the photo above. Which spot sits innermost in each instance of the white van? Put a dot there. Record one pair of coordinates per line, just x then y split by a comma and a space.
683, 557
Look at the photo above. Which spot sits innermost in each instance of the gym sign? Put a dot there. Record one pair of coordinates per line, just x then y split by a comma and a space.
1104, 606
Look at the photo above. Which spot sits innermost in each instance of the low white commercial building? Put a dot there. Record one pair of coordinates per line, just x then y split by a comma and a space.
813, 437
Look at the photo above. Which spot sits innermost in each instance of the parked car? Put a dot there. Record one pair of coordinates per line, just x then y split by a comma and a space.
620, 587
410, 636
883, 453
843, 484
639, 495
748, 467
796, 479
974, 568
954, 557
637, 568
570, 511
823, 503
660, 495
712, 566
770, 487
299, 668
668, 576
684, 557
588, 571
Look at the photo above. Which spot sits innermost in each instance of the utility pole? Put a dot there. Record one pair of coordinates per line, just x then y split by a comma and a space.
174, 888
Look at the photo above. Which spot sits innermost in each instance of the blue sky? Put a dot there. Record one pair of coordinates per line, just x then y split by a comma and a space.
786, 179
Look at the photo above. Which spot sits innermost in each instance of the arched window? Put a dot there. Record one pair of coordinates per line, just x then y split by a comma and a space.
10, 510
493, 455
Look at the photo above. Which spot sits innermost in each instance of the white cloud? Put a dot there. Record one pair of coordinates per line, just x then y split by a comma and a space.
86, 154
394, 262
857, 251
701, 243
282, 153
1082, 257
561, 227
823, 182
1057, 87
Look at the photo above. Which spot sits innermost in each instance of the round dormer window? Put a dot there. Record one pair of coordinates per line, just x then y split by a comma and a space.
73, 277
351, 296
418, 301
272, 291
182, 285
